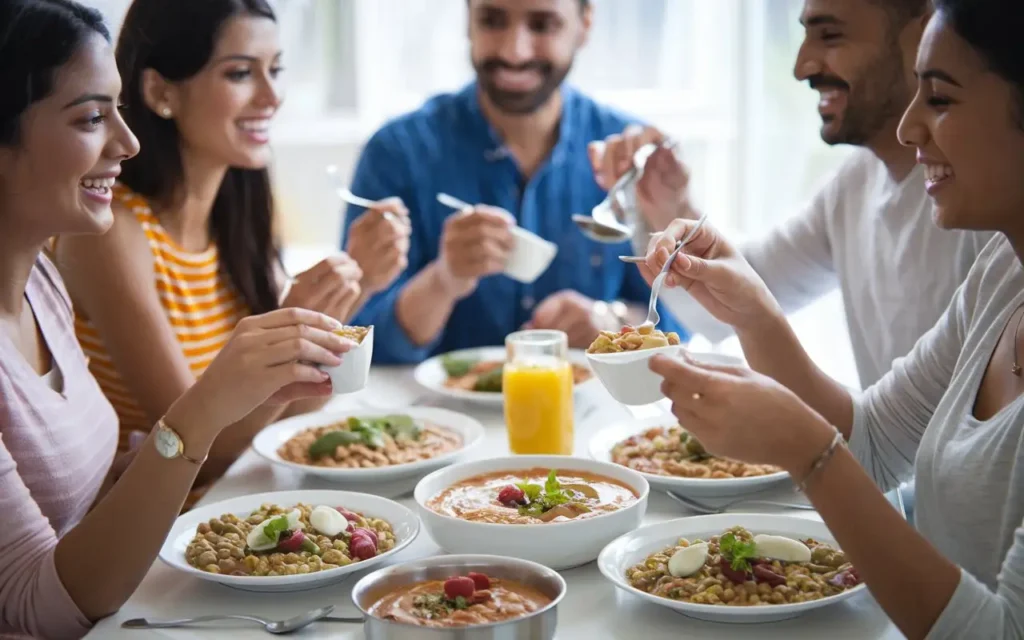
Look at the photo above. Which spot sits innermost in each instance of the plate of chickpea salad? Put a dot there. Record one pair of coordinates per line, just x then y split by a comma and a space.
738, 568
354, 448
288, 541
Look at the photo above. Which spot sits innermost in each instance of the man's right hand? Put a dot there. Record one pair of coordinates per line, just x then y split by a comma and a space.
663, 191
474, 243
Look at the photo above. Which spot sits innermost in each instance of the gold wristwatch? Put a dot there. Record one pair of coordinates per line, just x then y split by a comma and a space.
170, 445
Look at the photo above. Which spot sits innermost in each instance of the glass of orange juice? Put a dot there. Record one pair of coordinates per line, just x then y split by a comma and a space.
537, 384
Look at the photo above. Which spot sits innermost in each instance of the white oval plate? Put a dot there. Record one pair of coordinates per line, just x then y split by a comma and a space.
431, 374
600, 448
270, 439
404, 523
632, 548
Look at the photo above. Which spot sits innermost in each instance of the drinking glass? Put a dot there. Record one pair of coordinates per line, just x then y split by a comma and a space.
537, 383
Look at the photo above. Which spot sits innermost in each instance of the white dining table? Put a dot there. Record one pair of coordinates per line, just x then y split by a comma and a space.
592, 609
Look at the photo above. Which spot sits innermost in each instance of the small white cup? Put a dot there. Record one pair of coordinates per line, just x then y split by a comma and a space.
628, 378
352, 374
530, 257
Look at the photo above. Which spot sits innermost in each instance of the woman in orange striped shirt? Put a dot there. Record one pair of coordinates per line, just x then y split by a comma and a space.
192, 249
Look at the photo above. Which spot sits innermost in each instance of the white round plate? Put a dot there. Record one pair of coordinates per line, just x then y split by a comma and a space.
632, 548
431, 374
404, 523
600, 448
270, 439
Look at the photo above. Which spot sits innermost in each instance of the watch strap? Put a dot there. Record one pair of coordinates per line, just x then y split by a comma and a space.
162, 424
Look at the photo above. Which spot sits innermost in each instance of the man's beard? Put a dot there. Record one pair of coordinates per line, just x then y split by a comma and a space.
520, 102
881, 97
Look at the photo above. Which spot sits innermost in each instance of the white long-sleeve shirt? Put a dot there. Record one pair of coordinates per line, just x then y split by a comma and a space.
969, 473
873, 238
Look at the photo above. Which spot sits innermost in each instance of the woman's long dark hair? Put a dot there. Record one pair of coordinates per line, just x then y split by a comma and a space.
37, 37
994, 29
176, 38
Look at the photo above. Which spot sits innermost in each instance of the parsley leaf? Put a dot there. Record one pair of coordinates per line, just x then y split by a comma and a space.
461, 602
737, 552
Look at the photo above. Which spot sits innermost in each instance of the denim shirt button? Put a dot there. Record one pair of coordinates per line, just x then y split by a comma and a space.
596, 260
528, 303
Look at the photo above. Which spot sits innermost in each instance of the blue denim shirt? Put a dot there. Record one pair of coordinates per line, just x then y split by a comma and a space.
448, 145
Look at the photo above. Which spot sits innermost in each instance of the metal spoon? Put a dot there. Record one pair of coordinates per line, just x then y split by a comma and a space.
346, 194
277, 627
614, 220
652, 307
453, 202
704, 508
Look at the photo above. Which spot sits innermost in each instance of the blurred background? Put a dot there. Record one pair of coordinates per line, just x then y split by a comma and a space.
715, 74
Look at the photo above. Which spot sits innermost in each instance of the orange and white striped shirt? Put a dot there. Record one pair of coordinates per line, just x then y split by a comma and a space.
201, 304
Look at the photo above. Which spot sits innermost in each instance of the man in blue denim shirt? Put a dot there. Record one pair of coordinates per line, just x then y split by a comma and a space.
516, 140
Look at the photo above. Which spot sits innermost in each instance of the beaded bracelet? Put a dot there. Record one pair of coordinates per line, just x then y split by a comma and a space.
822, 458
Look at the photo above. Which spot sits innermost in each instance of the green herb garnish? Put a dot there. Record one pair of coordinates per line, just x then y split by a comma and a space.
457, 367
540, 499
490, 381
327, 443
461, 602
738, 552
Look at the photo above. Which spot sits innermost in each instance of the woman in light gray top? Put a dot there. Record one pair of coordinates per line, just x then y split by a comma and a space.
952, 411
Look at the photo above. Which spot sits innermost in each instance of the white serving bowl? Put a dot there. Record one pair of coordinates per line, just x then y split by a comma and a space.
601, 444
559, 545
430, 374
270, 439
531, 256
628, 377
632, 548
404, 523
351, 375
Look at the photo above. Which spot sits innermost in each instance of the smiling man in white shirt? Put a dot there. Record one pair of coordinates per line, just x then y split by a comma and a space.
870, 230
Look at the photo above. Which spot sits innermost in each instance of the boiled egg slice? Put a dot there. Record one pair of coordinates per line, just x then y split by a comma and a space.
688, 560
328, 521
258, 540
781, 548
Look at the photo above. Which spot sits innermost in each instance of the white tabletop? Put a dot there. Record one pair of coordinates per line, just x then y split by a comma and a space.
592, 608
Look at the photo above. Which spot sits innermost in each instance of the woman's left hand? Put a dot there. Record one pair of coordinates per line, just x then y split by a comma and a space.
738, 413
379, 242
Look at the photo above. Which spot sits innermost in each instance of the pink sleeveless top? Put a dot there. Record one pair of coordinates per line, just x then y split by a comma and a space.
55, 451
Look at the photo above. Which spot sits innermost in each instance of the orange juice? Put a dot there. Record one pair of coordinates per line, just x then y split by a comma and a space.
538, 407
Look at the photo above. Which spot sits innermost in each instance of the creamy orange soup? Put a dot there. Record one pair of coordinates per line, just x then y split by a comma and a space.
427, 604
489, 497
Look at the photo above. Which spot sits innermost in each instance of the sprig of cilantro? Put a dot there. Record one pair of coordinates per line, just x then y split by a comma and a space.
738, 552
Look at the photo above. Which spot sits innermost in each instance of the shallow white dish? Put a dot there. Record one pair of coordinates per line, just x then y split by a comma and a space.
531, 256
404, 523
269, 440
632, 548
600, 447
353, 372
431, 375
628, 377
558, 545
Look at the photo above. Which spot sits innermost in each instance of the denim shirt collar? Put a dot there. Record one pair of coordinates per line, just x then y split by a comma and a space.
491, 141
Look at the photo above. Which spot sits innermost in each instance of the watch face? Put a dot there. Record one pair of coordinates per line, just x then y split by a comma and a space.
166, 442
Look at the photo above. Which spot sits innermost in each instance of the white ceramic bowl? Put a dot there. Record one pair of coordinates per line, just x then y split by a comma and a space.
601, 444
559, 545
628, 378
351, 375
270, 439
431, 375
531, 256
632, 548
404, 523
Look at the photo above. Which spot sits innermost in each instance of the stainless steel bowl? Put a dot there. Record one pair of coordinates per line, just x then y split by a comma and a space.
539, 625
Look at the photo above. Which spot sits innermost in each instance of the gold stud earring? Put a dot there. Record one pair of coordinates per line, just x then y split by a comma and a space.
166, 112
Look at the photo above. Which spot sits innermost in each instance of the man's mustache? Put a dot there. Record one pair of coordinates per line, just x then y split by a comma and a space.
491, 65
820, 81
